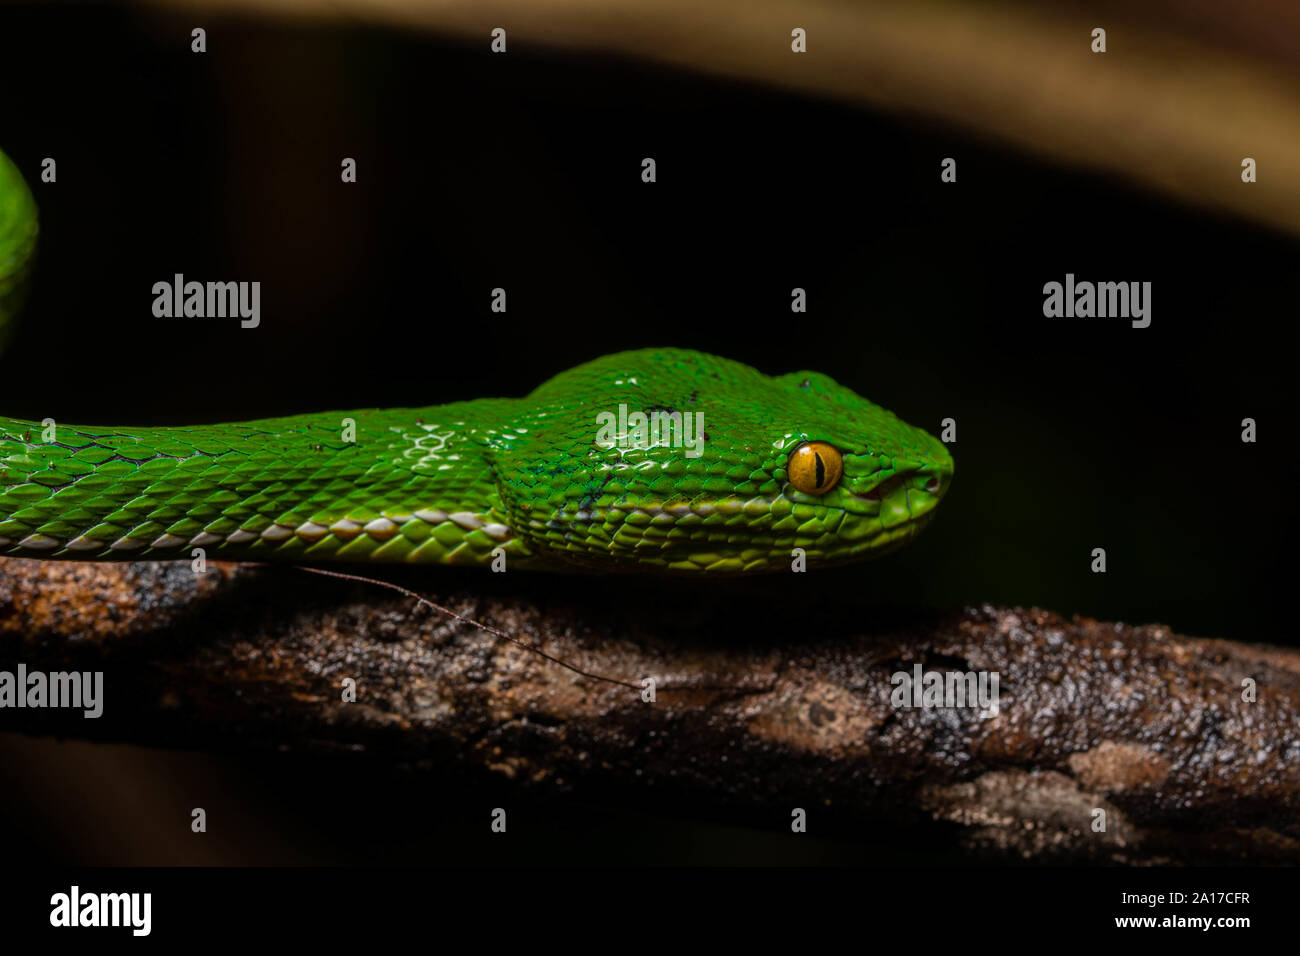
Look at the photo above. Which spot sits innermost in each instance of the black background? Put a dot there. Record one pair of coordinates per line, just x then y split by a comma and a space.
523, 171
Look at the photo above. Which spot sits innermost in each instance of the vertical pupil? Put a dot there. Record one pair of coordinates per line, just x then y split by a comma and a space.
821, 470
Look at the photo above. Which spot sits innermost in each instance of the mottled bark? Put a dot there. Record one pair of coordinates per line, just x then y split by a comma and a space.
758, 706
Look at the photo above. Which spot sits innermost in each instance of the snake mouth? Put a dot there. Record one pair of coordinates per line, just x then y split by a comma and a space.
880, 491
908, 497
934, 486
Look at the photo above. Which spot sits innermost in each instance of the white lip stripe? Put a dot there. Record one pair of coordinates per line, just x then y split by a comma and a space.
380, 528
312, 532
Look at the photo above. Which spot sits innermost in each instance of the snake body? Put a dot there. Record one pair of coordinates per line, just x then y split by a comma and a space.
524, 481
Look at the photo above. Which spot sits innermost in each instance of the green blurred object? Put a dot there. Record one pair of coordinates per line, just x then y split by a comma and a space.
18, 228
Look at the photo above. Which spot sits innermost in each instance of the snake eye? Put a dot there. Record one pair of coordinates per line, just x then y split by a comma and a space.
815, 467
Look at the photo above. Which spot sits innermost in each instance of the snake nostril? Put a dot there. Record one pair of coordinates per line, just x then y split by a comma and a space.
932, 486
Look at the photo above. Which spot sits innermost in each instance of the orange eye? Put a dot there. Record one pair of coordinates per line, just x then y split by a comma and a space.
815, 467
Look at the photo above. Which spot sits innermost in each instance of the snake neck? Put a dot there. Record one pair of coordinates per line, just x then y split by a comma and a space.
394, 485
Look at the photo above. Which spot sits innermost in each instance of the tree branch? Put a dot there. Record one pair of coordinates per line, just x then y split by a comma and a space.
1149, 726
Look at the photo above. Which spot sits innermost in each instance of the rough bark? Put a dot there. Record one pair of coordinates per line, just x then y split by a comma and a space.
757, 706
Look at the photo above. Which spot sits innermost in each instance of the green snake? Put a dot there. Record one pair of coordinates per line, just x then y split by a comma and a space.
784, 467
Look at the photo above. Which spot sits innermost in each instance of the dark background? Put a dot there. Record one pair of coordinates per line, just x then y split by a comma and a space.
523, 171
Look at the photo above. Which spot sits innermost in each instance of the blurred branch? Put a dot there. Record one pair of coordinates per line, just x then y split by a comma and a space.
1186, 90
1147, 725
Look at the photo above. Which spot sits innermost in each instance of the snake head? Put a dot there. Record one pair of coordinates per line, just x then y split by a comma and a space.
746, 469
889, 476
